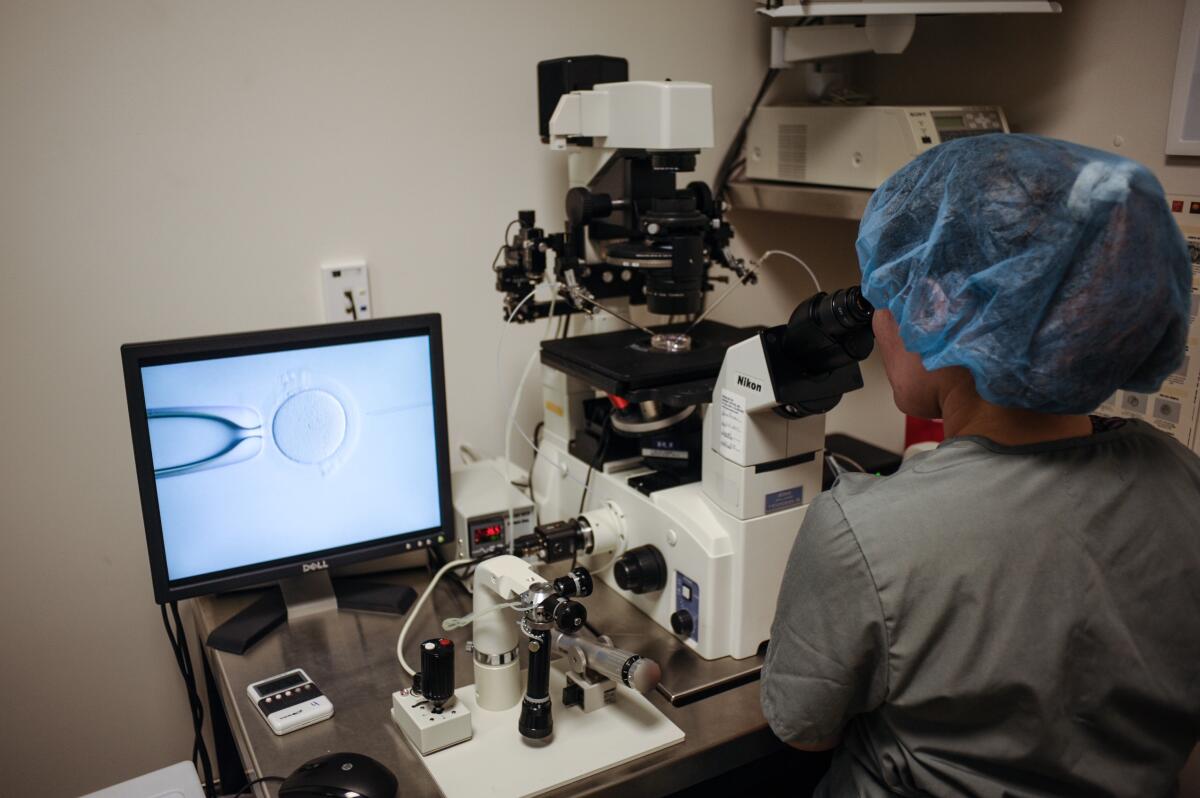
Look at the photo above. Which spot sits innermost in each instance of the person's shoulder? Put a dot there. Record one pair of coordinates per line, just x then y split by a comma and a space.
1162, 441
908, 485
907, 509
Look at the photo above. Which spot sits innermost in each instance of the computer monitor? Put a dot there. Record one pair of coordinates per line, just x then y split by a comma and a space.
266, 455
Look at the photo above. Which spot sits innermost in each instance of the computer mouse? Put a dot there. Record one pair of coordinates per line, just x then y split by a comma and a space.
341, 775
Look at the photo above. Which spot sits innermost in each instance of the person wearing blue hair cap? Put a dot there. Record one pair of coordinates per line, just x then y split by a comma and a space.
1016, 612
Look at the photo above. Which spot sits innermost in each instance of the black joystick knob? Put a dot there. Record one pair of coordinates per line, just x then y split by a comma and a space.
641, 570
569, 616
437, 671
577, 583
583, 206
682, 623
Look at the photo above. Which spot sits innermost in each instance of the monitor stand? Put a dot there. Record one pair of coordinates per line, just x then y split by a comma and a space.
300, 596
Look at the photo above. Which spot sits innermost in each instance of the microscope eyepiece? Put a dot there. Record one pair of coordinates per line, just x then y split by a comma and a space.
830, 330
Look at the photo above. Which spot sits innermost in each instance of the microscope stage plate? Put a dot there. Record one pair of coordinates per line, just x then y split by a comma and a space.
498, 762
622, 363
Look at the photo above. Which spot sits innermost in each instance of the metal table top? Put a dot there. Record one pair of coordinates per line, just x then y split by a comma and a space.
352, 658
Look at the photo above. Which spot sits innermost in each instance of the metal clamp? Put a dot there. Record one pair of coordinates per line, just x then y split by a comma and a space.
495, 659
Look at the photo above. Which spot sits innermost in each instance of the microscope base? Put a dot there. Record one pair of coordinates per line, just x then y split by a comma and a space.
426, 730
500, 763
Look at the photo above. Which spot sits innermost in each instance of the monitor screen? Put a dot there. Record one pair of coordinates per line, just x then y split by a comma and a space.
290, 451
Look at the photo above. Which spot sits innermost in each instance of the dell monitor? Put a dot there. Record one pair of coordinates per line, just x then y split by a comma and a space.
270, 455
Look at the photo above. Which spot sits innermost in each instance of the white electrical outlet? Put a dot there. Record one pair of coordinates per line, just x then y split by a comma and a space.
346, 292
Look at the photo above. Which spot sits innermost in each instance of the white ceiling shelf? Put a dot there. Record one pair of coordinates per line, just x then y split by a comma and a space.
868, 27
787, 14
823, 202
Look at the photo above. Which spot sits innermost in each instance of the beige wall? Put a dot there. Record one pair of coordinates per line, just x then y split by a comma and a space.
179, 168
172, 168
1099, 73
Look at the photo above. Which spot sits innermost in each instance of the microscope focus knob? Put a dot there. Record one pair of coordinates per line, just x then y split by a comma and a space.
641, 570
583, 206
682, 623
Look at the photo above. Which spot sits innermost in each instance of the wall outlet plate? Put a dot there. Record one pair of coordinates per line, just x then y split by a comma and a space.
426, 730
345, 292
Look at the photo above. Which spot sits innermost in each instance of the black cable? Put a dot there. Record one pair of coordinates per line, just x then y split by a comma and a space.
537, 444
721, 183
200, 749
597, 460
179, 646
250, 784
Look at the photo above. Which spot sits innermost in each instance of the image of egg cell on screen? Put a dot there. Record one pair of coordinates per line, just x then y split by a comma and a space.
267, 456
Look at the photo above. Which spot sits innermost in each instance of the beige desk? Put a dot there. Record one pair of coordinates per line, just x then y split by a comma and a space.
351, 656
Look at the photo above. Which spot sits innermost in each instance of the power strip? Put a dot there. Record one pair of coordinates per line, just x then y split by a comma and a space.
430, 731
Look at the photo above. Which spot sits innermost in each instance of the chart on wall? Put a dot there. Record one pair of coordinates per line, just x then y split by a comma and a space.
1175, 408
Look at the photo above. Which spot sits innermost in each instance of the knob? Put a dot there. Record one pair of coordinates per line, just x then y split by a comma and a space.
569, 616
577, 583
583, 206
437, 671
641, 570
681, 623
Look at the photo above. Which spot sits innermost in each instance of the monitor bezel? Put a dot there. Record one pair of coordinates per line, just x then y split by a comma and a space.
137, 356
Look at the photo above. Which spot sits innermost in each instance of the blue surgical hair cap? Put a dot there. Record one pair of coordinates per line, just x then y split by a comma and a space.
1053, 272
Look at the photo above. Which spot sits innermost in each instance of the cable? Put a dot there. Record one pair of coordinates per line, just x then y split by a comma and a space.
735, 145
250, 784
450, 624
416, 609
179, 646
850, 460
771, 252
597, 458
508, 428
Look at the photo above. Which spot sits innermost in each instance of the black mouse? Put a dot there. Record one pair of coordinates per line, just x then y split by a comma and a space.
339, 776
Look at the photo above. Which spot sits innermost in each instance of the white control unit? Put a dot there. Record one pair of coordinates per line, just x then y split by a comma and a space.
483, 491
855, 147
427, 728
290, 701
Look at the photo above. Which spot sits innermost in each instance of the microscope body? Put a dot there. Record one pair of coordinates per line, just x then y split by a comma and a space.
705, 559
708, 506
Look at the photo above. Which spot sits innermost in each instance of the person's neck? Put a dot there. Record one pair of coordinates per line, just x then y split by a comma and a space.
965, 412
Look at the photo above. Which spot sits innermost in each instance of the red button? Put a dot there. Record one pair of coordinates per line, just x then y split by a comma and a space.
444, 642
1176, 206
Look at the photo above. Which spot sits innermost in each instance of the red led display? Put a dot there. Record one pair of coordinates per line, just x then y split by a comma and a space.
486, 534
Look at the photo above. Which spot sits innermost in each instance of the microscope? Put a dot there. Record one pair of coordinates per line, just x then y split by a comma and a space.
678, 459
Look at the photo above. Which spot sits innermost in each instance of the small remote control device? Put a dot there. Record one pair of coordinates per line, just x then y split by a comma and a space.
290, 701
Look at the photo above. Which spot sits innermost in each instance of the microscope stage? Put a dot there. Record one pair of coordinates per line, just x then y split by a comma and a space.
622, 363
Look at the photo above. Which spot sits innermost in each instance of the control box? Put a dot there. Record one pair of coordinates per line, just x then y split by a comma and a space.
482, 492
855, 147
428, 727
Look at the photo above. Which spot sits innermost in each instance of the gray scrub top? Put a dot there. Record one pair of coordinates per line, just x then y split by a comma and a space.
999, 621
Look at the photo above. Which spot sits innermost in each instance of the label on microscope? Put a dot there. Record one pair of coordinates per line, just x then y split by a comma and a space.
732, 443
